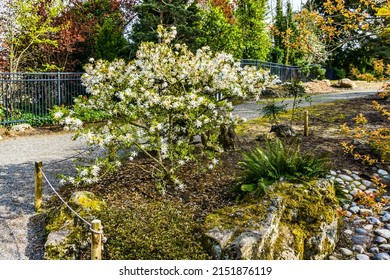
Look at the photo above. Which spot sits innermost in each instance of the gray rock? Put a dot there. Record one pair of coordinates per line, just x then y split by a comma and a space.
358, 221
355, 191
360, 239
333, 173
384, 247
346, 252
385, 233
379, 240
362, 257
382, 172
348, 196
362, 187
354, 209
348, 231
368, 227
387, 226
20, 127
357, 248
361, 231
386, 217
333, 258
347, 171
357, 178
373, 220
368, 184
340, 181
366, 211
374, 250
382, 256
346, 83
348, 214
345, 178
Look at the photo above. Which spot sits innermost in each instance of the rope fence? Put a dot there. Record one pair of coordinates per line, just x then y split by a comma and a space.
95, 226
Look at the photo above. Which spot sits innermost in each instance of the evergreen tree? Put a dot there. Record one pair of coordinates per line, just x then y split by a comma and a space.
178, 13
250, 15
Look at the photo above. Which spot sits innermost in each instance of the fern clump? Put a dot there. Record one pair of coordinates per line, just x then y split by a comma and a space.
277, 161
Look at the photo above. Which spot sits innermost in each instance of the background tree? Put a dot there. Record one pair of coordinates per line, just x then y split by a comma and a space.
151, 13
250, 16
25, 25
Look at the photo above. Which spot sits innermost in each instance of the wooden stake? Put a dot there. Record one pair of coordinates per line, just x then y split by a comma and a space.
38, 186
96, 244
306, 128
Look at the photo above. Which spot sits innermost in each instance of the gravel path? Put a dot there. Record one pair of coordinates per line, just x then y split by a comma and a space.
252, 109
21, 235
20, 229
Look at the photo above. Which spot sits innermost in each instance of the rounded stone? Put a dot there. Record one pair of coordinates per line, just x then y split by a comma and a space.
382, 256
340, 181
361, 231
385, 233
357, 248
387, 226
379, 240
354, 209
333, 258
346, 178
368, 227
348, 231
333, 173
373, 220
360, 239
362, 257
374, 250
348, 196
384, 247
356, 178
362, 187
366, 211
346, 252
382, 172
368, 184
386, 217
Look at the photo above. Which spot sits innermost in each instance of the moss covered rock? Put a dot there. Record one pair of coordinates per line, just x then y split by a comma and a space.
66, 234
293, 221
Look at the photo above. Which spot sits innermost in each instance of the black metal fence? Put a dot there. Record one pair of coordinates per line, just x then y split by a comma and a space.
28, 97
284, 72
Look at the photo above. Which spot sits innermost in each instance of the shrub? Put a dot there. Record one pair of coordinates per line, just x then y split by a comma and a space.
158, 103
152, 231
272, 110
278, 161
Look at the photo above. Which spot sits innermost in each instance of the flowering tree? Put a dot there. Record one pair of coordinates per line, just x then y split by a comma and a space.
159, 102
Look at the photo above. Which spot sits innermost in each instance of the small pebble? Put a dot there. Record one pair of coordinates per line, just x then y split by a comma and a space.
362, 187
346, 252
373, 220
357, 248
385, 233
354, 209
348, 196
333, 258
356, 177
386, 217
348, 231
379, 240
360, 239
368, 227
358, 221
382, 172
382, 256
347, 171
362, 257
340, 181
333, 173
385, 247
374, 250
361, 231
368, 184
345, 178
366, 211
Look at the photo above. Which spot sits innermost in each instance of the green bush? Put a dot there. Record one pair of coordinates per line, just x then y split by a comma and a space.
277, 161
152, 231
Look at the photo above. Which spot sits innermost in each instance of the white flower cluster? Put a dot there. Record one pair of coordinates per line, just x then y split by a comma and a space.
160, 101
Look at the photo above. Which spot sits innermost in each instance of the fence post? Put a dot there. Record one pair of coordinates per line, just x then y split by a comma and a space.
59, 88
306, 128
38, 186
96, 244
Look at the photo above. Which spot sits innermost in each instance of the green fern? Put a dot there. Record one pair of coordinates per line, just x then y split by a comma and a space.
262, 167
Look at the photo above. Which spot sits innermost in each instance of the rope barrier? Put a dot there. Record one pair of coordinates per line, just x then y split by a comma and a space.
67, 205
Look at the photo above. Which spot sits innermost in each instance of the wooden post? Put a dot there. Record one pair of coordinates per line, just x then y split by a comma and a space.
38, 186
306, 128
96, 244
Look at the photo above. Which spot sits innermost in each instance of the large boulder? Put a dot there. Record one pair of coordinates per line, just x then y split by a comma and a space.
67, 234
292, 222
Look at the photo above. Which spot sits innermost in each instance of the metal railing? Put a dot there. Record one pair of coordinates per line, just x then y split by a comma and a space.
284, 72
25, 97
